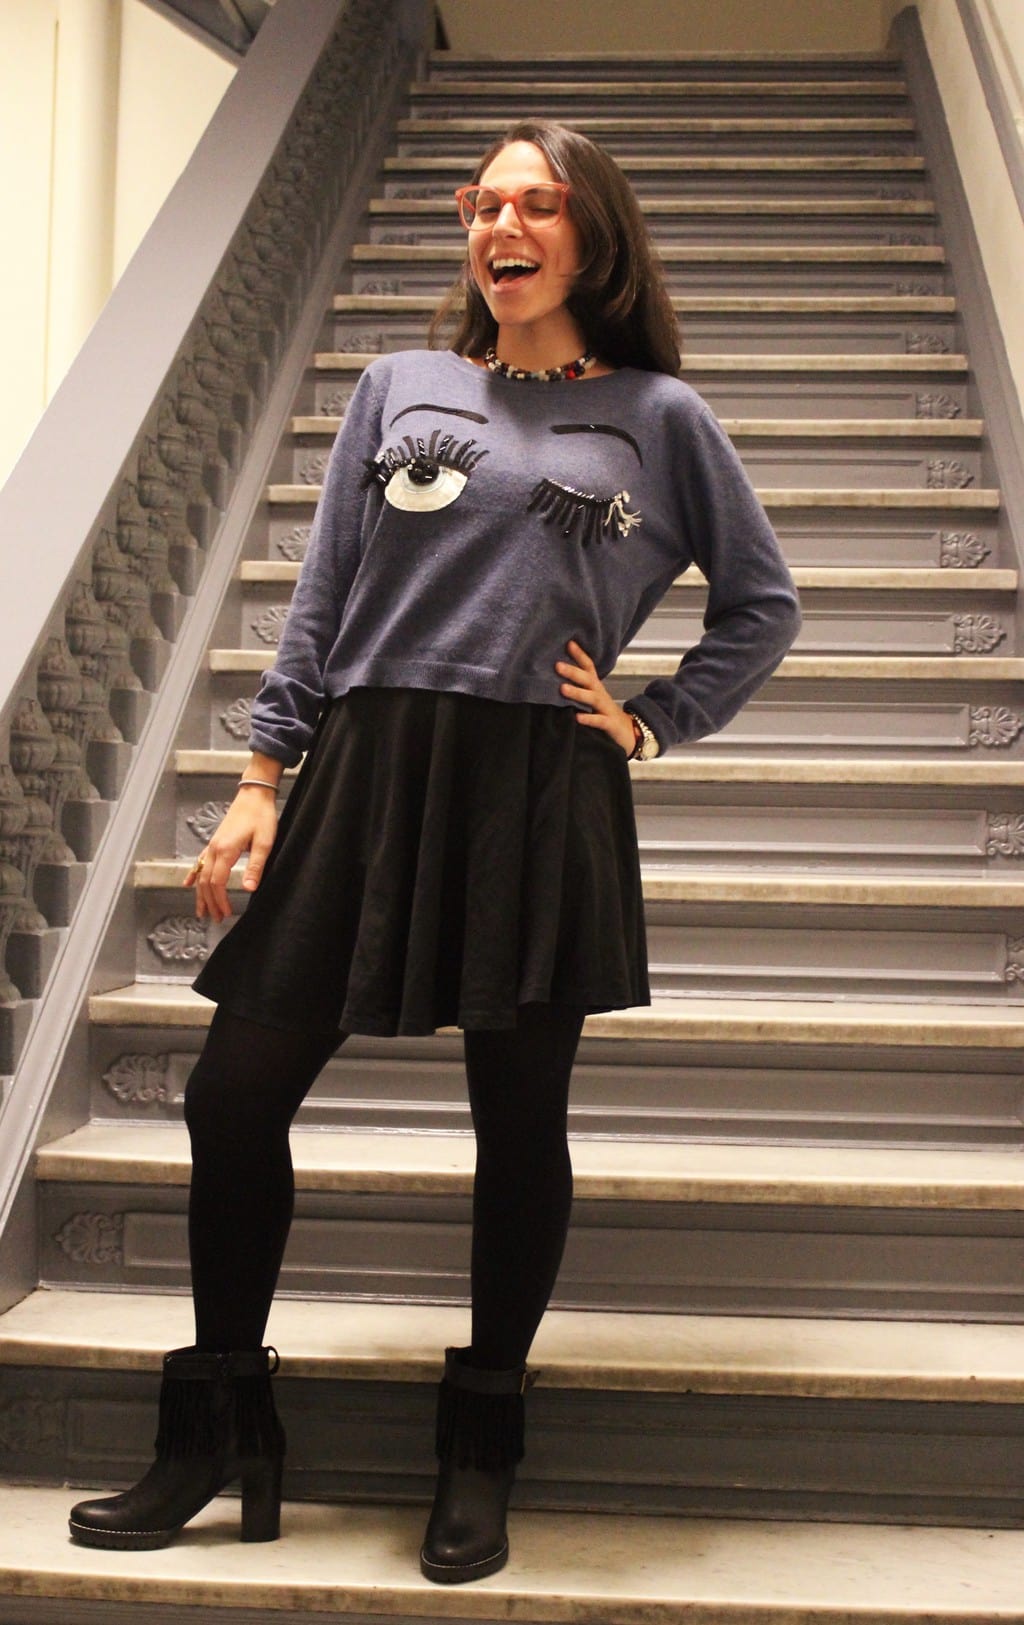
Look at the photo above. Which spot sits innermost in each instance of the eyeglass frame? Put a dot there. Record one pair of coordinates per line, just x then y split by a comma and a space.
561, 187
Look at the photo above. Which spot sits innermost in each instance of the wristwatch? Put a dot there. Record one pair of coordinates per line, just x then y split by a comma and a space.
646, 747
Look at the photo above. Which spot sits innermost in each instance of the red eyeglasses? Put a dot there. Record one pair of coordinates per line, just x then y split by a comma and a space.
540, 204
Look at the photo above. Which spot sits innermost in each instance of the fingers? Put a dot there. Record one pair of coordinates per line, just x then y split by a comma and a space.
209, 877
258, 855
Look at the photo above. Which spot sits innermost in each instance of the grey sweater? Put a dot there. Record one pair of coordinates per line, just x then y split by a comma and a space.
470, 525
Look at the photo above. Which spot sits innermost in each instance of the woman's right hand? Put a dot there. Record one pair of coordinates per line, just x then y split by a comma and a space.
249, 825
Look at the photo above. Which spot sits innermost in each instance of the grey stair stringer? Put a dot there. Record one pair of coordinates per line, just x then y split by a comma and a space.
817, 1126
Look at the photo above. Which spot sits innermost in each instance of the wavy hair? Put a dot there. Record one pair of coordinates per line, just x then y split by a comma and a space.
619, 297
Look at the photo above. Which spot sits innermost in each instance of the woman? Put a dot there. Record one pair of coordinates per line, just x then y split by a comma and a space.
496, 522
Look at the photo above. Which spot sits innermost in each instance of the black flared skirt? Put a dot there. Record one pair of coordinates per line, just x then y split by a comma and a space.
441, 860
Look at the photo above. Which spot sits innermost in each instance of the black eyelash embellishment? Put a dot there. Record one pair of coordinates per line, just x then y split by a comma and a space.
591, 517
423, 458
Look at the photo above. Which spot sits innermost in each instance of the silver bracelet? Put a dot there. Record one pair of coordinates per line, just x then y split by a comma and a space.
264, 784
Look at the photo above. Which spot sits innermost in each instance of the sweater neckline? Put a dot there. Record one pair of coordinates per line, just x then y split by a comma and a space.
532, 384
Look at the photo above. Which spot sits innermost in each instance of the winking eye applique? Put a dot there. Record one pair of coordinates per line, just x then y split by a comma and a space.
591, 518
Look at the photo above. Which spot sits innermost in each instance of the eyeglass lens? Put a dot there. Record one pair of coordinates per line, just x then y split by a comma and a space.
535, 205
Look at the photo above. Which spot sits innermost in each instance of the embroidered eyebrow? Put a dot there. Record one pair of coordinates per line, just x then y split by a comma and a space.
599, 428
431, 406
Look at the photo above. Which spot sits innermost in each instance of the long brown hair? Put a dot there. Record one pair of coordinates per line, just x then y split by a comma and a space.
619, 298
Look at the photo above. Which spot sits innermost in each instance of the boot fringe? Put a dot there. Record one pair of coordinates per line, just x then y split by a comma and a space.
208, 1405
193, 1419
485, 1431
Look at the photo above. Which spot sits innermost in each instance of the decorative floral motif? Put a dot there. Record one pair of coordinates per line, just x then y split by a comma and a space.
961, 550
179, 939
293, 545
1014, 971
976, 634
205, 819
381, 286
138, 1080
906, 239
32, 1423
946, 474
267, 626
92, 1238
361, 343
932, 405
237, 719
914, 288
1005, 835
404, 239
336, 404
313, 468
993, 726
926, 344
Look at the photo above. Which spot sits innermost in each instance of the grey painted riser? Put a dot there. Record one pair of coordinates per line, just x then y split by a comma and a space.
517, 99
445, 66
842, 717
775, 463
683, 1258
743, 137
684, 176
809, 227
835, 1097
749, 948
839, 829
743, 333
434, 278
833, 623
699, 1454
862, 541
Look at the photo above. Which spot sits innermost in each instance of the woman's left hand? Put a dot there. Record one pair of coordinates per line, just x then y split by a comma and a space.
583, 684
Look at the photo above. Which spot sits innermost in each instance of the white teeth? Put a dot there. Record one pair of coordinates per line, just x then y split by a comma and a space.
508, 264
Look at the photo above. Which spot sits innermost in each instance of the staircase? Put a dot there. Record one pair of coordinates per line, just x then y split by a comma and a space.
788, 1337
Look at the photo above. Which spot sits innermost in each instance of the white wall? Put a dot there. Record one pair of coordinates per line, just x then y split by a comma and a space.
993, 205
101, 105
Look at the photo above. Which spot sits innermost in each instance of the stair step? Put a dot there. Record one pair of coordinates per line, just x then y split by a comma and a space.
867, 1023
968, 500
579, 1350
715, 208
733, 887
362, 1561
903, 304
599, 128
877, 430
705, 364
784, 255
646, 89
630, 1171
699, 767
444, 65
793, 669
273, 572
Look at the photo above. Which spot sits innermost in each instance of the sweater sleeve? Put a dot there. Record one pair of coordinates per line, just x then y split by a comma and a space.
287, 705
752, 614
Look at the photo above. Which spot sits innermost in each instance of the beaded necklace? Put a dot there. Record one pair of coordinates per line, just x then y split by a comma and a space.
547, 375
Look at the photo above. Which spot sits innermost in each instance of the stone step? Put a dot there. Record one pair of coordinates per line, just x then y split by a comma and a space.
879, 431
651, 89
718, 207
358, 1561
644, 668
775, 499
697, 767
610, 129
712, 1354
824, 306
734, 888
865, 1023
786, 256
861, 1231
451, 67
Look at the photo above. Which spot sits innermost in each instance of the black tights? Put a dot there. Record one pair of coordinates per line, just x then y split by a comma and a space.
246, 1087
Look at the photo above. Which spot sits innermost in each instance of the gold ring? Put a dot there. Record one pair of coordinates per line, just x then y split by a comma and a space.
198, 865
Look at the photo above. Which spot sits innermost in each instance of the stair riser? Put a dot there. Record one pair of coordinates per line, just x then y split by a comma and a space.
853, 464
747, 1259
807, 226
736, 333
440, 102
443, 67
471, 145
700, 1454
796, 1095
433, 281
886, 180
849, 716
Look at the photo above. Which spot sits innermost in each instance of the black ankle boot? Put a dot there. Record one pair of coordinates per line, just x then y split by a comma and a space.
479, 1442
217, 1423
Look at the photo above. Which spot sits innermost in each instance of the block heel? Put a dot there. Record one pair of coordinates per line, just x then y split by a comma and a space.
261, 1499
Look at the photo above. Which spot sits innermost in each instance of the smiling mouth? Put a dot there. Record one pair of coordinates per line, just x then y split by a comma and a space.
512, 270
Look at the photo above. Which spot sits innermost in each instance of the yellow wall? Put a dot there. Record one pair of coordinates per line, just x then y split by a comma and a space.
101, 105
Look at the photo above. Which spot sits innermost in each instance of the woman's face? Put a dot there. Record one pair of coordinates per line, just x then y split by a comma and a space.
540, 294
